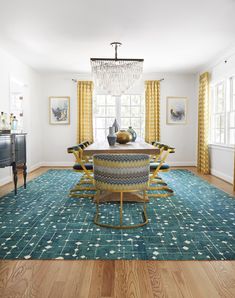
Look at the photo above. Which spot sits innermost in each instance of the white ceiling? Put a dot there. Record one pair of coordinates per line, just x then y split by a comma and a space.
171, 35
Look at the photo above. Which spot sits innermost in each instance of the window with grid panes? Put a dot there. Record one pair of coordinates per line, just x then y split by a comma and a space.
132, 113
104, 111
218, 114
231, 113
223, 113
127, 109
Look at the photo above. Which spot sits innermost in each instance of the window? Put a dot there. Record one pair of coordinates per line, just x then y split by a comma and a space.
223, 113
231, 113
218, 114
104, 115
127, 109
132, 113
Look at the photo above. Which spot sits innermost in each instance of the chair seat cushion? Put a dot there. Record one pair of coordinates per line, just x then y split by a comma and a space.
154, 165
78, 167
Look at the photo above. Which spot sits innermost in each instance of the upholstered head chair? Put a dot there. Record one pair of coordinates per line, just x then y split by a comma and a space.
121, 173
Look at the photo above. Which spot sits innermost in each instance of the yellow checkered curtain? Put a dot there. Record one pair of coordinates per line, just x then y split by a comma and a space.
152, 111
85, 117
203, 125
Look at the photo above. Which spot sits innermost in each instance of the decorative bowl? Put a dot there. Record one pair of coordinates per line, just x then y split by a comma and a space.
123, 137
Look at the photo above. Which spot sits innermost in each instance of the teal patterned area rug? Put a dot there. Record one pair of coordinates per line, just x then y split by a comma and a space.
42, 222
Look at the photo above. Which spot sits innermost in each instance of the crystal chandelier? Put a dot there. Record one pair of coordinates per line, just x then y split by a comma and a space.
116, 75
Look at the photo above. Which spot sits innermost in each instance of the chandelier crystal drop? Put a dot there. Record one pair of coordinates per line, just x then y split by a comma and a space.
116, 75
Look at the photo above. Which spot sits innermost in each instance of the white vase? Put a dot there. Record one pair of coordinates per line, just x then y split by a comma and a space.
116, 125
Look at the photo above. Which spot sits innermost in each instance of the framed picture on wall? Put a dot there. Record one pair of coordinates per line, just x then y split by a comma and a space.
176, 110
59, 110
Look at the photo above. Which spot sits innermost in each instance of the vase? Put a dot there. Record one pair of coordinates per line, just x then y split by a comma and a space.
116, 125
112, 136
123, 137
133, 133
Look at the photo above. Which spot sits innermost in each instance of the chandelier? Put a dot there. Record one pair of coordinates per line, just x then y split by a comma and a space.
116, 75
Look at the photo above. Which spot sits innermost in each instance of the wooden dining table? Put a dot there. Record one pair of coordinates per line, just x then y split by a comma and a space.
129, 148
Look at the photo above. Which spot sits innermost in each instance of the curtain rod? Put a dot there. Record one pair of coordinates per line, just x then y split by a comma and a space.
75, 81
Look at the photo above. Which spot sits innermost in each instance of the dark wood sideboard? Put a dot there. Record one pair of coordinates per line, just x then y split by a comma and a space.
13, 154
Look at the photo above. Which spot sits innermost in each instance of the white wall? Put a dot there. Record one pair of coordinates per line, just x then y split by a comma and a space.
10, 67
57, 138
222, 162
182, 137
221, 157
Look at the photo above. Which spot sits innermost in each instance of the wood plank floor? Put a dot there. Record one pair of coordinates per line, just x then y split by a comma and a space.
117, 279
56, 278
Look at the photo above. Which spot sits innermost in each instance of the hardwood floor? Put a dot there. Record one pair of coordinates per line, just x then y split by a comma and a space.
56, 278
117, 279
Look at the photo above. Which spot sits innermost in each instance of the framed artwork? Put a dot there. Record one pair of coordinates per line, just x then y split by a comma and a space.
59, 109
176, 110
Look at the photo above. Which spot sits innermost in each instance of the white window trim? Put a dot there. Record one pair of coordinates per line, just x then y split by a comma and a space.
228, 96
231, 110
212, 112
222, 147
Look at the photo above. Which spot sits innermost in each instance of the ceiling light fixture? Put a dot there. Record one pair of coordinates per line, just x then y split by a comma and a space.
116, 75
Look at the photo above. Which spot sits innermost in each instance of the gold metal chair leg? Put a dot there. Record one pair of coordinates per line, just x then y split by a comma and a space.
82, 195
157, 181
155, 184
161, 195
121, 206
80, 188
168, 192
166, 188
78, 191
85, 181
96, 218
155, 177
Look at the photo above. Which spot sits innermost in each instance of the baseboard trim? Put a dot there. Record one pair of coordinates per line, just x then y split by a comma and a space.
35, 167
8, 179
5, 180
57, 164
182, 163
222, 176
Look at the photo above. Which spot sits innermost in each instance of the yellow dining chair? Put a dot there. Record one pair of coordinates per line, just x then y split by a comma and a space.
159, 165
82, 165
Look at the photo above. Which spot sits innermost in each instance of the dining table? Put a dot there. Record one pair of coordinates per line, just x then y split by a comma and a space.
129, 148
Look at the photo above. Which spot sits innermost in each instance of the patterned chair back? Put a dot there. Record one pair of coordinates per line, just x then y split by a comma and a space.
121, 172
